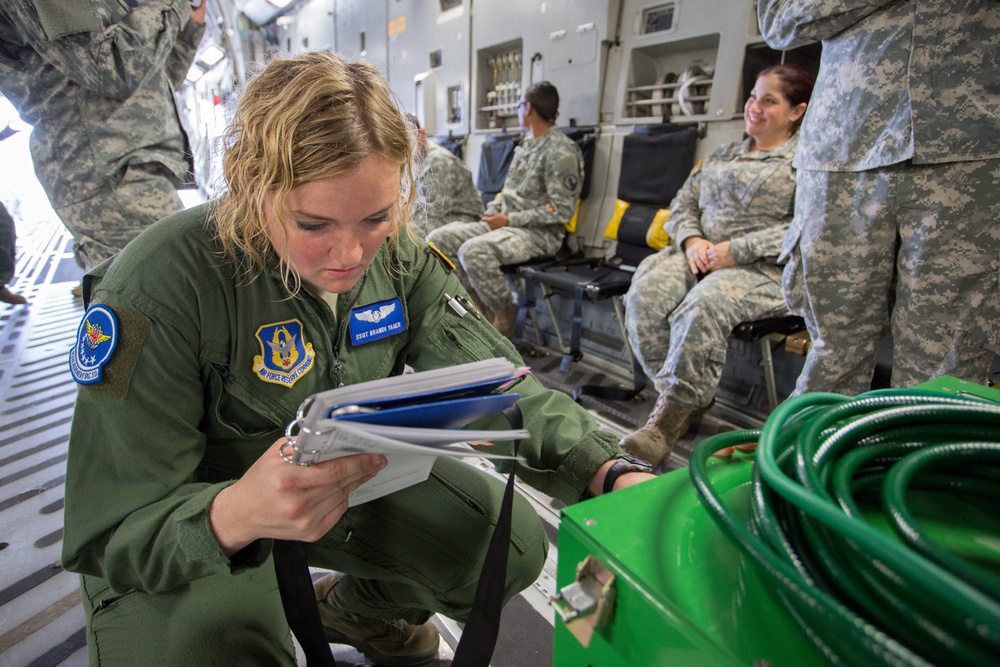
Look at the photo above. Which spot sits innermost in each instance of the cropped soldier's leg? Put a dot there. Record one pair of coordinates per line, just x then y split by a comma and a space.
839, 273
482, 257
449, 238
105, 223
8, 246
701, 325
699, 331
947, 313
233, 619
421, 550
660, 283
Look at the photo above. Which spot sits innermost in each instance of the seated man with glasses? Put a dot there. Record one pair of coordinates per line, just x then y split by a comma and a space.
527, 218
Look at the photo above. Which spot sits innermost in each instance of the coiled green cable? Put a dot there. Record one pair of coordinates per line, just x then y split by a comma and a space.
865, 594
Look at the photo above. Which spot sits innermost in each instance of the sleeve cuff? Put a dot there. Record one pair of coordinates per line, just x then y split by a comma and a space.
582, 462
198, 543
741, 251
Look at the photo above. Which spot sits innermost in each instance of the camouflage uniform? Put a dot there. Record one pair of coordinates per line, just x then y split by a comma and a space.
539, 196
97, 80
678, 326
897, 206
8, 246
446, 190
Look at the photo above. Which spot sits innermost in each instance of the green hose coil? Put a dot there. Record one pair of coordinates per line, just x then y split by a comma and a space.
862, 593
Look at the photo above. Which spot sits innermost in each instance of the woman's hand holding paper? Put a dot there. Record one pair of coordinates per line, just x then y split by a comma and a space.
276, 500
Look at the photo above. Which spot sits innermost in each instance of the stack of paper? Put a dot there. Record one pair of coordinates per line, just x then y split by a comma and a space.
410, 418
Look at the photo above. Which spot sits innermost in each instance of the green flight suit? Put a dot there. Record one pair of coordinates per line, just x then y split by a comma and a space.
180, 412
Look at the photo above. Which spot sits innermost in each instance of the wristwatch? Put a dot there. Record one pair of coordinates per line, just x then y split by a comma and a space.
625, 463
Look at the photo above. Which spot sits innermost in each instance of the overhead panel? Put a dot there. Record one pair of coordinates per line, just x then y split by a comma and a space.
560, 41
682, 58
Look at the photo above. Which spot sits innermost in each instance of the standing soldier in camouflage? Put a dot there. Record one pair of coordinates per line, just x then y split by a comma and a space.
726, 226
528, 217
8, 246
96, 79
445, 190
898, 204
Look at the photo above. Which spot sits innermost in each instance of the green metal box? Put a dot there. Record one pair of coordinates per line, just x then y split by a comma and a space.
682, 593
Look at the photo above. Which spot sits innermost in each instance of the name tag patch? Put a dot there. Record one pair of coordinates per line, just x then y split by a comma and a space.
96, 339
376, 321
284, 356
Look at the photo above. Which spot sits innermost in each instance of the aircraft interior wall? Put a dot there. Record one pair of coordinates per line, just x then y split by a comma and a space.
461, 66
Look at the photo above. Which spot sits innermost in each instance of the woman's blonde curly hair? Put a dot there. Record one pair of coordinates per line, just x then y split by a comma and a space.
301, 119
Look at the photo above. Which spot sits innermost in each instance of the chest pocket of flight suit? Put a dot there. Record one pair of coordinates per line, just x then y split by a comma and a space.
235, 409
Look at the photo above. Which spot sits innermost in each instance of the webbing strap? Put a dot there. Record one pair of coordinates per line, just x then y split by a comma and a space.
299, 602
479, 637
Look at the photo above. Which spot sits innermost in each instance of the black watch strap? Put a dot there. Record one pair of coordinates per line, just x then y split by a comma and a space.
624, 464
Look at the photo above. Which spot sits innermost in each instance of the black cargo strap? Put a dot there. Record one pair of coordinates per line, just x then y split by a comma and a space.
479, 637
299, 602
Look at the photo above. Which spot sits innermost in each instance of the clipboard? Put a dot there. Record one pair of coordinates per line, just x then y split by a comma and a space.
411, 419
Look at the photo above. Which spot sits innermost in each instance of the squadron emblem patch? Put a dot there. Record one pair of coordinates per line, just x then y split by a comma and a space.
284, 357
376, 321
96, 339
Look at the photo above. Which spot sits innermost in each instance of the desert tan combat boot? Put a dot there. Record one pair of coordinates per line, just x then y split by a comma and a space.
666, 424
390, 643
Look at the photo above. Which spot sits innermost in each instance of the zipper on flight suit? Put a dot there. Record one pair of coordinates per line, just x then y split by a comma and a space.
454, 339
227, 378
338, 366
108, 601
224, 372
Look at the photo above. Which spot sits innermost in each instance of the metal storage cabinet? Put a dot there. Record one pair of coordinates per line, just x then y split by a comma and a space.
685, 595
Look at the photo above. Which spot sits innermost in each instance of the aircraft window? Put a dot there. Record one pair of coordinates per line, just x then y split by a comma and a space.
449, 4
658, 19
436, 59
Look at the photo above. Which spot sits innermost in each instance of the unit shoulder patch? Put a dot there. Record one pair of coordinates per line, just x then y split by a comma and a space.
96, 339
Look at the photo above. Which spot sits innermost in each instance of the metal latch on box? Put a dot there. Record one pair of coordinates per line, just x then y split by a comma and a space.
588, 602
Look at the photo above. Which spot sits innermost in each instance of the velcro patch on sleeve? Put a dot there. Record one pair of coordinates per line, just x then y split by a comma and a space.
107, 348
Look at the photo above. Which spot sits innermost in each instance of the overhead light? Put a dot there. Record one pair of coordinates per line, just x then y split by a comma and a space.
195, 73
279, 3
211, 55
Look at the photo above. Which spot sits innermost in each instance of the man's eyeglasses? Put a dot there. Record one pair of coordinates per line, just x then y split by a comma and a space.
521, 103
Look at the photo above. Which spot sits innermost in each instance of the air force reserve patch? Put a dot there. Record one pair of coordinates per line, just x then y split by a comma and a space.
96, 339
284, 357
376, 321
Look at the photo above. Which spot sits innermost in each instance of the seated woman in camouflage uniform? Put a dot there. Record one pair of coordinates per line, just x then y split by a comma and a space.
726, 227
